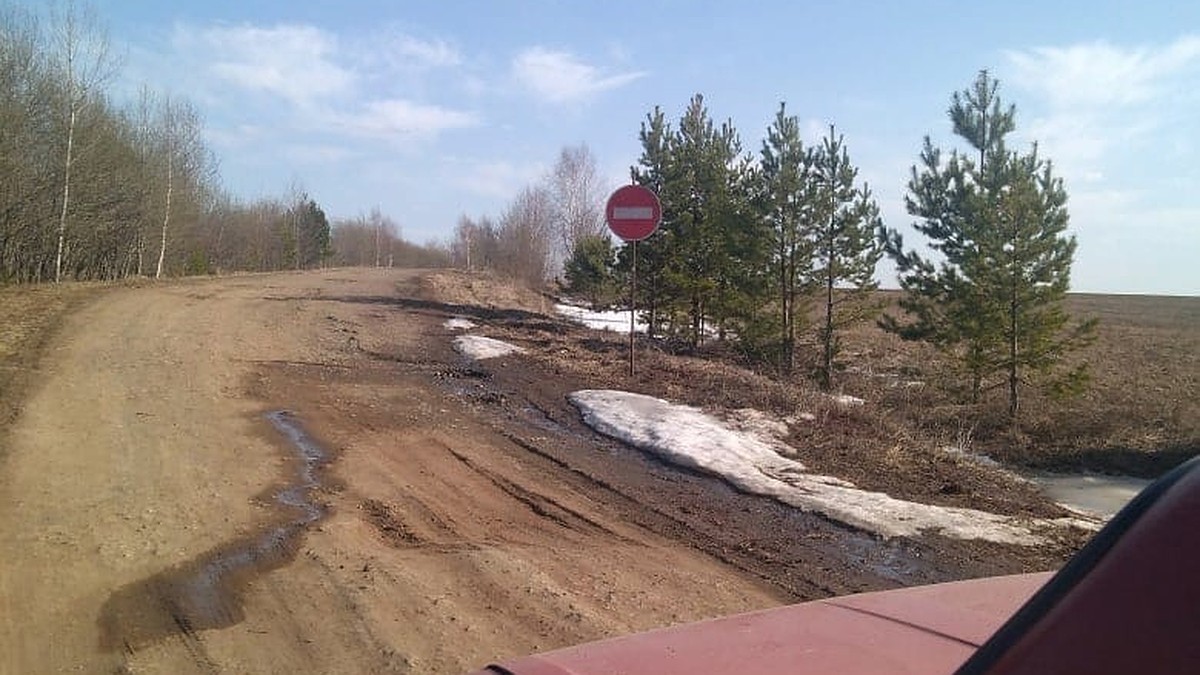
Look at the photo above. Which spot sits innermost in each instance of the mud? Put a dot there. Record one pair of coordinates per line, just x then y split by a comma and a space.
803, 554
469, 516
206, 592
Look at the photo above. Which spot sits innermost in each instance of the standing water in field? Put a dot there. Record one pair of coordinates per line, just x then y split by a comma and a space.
1094, 493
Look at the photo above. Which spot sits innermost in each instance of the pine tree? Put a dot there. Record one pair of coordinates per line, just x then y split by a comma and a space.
999, 224
588, 270
651, 172
693, 271
845, 234
786, 201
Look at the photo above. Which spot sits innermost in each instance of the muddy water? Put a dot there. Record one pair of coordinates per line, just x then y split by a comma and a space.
207, 592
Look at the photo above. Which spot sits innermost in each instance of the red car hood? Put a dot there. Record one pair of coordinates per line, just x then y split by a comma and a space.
928, 629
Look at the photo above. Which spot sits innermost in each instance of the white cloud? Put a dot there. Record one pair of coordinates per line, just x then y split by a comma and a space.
315, 82
1101, 74
1098, 98
401, 119
294, 62
560, 77
426, 53
394, 55
1118, 121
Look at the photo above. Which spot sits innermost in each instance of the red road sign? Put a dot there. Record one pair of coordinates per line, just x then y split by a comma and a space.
633, 212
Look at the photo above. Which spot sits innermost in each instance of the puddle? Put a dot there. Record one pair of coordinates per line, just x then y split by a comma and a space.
206, 592
1095, 493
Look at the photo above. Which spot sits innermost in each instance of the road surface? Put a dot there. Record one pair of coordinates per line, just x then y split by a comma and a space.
142, 530
297, 473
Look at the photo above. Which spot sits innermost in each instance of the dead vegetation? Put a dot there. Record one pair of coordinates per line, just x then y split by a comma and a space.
1140, 415
29, 317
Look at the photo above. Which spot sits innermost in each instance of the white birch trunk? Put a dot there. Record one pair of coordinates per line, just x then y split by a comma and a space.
62, 217
162, 250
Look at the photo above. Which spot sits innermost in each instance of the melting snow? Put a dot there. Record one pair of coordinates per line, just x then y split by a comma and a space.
847, 400
687, 436
609, 320
459, 323
479, 348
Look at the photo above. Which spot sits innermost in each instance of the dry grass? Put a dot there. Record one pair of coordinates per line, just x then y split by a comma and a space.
29, 317
1140, 415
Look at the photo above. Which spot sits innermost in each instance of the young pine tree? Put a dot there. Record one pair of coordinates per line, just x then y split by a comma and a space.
786, 198
845, 235
997, 218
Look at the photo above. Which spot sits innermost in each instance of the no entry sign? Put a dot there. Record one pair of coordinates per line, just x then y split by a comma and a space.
633, 212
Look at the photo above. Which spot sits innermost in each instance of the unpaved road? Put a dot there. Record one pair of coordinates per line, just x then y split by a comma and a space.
142, 457
154, 520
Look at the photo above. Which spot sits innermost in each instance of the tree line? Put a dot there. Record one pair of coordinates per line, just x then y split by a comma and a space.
760, 249
90, 189
544, 223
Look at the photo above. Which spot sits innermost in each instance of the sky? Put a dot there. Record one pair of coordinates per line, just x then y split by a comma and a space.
748, 453
430, 110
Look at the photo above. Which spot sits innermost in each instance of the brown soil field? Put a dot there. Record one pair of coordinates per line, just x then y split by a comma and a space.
413, 511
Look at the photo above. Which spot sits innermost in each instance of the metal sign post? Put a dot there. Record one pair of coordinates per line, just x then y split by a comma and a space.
632, 303
633, 213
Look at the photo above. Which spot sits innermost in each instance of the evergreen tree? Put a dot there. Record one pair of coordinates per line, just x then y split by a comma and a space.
998, 222
786, 201
651, 172
704, 191
845, 235
589, 269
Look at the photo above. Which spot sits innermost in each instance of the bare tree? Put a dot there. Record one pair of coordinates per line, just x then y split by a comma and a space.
185, 156
464, 237
386, 233
526, 236
22, 116
578, 194
85, 61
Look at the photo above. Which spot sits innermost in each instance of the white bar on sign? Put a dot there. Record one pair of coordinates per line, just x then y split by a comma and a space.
632, 213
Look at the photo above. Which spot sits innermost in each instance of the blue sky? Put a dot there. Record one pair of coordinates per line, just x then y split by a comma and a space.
433, 109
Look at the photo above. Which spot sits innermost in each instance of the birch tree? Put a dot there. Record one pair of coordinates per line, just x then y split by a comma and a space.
181, 153
579, 193
84, 59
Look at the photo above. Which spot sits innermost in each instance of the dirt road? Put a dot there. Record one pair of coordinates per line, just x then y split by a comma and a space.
142, 532
296, 473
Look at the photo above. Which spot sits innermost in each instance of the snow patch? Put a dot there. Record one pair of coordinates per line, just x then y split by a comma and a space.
846, 400
613, 320
479, 348
762, 427
459, 323
688, 437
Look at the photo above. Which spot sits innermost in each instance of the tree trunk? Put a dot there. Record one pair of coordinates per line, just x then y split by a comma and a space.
830, 277
162, 249
787, 300
62, 217
1013, 352
827, 371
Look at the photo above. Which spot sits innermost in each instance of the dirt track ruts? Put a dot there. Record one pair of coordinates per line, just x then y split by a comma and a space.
143, 449
470, 516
